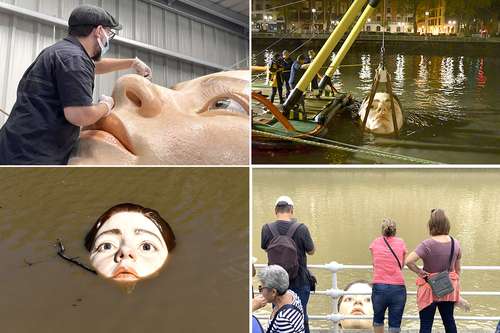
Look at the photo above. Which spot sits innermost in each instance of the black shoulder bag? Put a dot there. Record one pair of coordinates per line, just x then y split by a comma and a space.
284, 307
394, 254
440, 283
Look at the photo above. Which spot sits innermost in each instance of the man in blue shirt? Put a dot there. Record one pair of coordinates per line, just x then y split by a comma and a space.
54, 96
286, 63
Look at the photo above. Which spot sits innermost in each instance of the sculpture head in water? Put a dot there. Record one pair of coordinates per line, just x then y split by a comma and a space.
202, 121
129, 242
356, 305
380, 117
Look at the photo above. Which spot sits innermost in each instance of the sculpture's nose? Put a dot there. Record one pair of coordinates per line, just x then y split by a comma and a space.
139, 93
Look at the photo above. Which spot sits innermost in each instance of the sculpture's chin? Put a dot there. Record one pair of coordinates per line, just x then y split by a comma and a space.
380, 127
96, 150
356, 324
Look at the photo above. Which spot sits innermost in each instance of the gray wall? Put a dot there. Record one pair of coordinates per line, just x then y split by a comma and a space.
185, 36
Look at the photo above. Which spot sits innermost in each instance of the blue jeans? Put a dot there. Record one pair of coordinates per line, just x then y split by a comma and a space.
445, 310
303, 292
498, 328
392, 297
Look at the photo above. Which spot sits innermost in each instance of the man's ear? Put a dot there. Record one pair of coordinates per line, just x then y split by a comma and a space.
96, 30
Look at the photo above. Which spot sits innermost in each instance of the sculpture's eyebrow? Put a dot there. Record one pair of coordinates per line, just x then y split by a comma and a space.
219, 80
110, 231
138, 231
224, 80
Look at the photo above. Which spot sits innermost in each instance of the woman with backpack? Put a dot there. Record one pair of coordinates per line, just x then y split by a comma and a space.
438, 281
388, 290
287, 315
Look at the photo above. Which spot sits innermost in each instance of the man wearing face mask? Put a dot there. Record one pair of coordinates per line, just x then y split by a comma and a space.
54, 96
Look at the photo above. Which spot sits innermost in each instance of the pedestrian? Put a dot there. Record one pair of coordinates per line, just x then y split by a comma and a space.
287, 315
314, 82
438, 281
388, 290
289, 239
54, 96
286, 63
276, 71
298, 69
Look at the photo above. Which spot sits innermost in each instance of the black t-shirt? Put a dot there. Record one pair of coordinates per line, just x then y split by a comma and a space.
302, 239
36, 131
287, 67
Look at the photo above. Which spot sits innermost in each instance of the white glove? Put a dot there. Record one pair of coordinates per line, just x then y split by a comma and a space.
142, 69
108, 101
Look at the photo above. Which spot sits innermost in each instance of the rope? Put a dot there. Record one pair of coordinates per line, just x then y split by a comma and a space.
335, 145
301, 45
263, 50
382, 48
288, 4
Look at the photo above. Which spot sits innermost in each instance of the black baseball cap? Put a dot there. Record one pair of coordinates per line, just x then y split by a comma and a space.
93, 16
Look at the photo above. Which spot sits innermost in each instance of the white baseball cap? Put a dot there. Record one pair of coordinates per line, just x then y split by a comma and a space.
284, 198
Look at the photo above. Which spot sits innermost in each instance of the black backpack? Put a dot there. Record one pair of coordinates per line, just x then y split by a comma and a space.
282, 249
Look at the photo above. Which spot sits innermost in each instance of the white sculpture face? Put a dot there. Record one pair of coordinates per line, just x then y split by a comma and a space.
357, 305
380, 116
128, 247
202, 121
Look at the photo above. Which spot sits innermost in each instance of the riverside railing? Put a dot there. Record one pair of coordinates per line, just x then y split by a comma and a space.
335, 293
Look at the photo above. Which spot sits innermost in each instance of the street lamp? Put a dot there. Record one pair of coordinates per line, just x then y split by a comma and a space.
314, 18
426, 21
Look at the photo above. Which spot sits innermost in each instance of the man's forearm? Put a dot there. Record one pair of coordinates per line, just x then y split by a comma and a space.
107, 65
85, 115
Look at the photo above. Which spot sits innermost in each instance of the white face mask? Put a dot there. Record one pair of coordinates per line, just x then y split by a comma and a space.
104, 46
128, 247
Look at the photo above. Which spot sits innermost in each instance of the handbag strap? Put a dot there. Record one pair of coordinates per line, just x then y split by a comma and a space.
394, 254
284, 307
451, 253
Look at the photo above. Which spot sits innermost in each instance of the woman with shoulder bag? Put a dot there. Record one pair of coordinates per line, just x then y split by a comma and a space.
388, 290
438, 281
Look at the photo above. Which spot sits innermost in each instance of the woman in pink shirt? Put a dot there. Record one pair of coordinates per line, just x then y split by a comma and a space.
388, 291
439, 253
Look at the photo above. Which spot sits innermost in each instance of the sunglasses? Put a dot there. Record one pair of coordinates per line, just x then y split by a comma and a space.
110, 33
262, 288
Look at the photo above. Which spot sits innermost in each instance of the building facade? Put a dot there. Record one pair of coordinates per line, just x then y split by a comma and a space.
433, 20
323, 16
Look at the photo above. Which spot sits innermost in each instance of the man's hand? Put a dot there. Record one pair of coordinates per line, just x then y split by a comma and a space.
142, 69
108, 101
258, 302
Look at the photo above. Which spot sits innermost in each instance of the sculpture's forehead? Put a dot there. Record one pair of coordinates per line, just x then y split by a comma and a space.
360, 287
382, 96
231, 77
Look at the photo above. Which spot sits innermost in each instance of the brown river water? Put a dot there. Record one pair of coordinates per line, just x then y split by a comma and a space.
343, 209
203, 288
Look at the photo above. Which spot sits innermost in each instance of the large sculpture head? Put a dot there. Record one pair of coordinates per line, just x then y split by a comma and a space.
380, 116
202, 121
356, 305
129, 243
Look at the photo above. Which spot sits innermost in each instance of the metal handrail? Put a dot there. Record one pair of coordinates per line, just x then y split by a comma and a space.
335, 293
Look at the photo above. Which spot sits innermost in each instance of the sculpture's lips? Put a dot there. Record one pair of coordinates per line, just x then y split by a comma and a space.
125, 274
357, 312
110, 130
